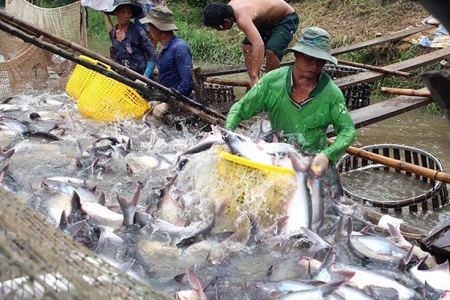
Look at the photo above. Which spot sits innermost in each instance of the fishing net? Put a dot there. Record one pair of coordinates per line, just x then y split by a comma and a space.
27, 67
64, 21
39, 261
246, 186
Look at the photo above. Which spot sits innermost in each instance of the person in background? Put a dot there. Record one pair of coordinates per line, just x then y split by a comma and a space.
131, 46
302, 100
269, 26
174, 56
146, 6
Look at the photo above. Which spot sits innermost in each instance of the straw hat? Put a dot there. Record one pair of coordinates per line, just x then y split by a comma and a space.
315, 42
161, 17
135, 8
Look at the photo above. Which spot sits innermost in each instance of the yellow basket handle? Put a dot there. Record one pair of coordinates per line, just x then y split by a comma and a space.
253, 164
96, 62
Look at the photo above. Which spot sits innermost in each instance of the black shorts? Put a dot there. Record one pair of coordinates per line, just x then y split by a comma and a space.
277, 38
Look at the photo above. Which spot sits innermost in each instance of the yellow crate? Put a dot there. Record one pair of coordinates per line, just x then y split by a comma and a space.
107, 99
81, 77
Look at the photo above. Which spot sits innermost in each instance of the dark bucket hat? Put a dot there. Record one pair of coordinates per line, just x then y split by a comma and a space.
135, 8
315, 42
161, 17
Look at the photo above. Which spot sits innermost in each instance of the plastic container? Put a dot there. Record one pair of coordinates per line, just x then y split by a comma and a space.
81, 77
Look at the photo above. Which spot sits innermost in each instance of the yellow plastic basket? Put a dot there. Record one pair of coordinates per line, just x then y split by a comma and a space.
81, 77
107, 99
258, 188
103, 98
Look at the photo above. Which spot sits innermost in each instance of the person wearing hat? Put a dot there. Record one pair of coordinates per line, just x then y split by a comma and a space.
131, 46
268, 25
174, 57
302, 100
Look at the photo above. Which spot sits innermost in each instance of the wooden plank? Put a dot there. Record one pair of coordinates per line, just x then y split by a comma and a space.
340, 50
383, 110
413, 63
383, 39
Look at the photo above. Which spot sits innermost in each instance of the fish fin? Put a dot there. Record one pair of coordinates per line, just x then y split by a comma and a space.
101, 198
195, 284
75, 228
349, 229
136, 194
421, 291
331, 288
7, 153
442, 267
346, 274
366, 230
274, 138
6, 169
63, 221
329, 259
269, 271
126, 265
395, 233
123, 202
317, 242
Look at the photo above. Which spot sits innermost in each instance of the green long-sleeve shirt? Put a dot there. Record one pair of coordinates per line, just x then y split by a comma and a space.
305, 124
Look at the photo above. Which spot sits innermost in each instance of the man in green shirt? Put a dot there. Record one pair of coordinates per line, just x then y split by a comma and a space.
302, 100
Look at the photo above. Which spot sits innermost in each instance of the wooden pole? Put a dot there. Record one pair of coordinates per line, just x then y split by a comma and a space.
109, 24
398, 164
374, 68
406, 92
228, 82
374, 217
215, 116
140, 87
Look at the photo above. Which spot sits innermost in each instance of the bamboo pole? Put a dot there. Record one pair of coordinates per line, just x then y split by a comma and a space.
142, 88
109, 24
406, 92
228, 82
216, 117
398, 164
374, 217
374, 68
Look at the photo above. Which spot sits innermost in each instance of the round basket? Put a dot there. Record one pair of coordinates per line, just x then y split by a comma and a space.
436, 195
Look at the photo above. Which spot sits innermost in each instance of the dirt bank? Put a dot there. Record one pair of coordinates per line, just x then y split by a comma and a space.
352, 21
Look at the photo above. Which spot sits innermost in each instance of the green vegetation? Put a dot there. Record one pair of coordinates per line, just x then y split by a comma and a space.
96, 25
207, 45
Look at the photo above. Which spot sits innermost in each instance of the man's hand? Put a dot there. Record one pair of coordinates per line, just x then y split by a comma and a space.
153, 104
160, 110
319, 164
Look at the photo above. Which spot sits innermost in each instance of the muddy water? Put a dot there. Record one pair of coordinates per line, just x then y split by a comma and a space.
418, 129
152, 162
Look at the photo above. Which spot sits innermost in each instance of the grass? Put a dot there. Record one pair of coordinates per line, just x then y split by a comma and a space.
207, 45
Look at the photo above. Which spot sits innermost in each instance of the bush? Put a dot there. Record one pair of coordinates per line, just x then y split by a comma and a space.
96, 26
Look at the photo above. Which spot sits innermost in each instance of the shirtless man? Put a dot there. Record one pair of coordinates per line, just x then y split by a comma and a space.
269, 26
